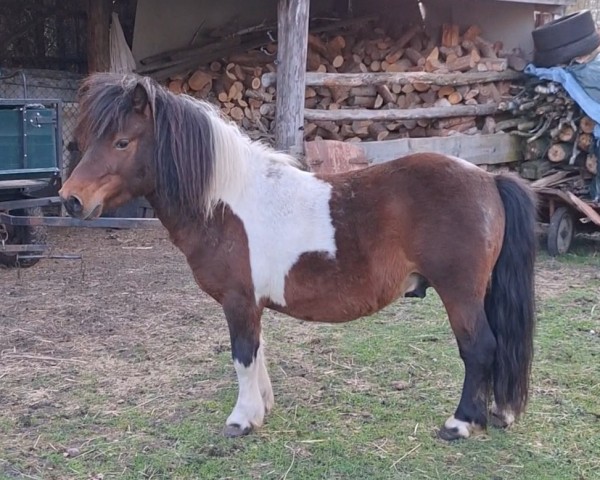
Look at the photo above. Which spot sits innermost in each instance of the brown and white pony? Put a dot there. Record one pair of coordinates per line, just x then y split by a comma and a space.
258, 233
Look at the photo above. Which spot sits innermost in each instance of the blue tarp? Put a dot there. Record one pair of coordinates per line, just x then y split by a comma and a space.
582, 83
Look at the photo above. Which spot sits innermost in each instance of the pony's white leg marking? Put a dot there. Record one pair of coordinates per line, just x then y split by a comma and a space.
249, 410
463, 428
264, 382
502, 418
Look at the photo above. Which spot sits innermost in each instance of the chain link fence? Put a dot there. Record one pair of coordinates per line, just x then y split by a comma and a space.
42, 85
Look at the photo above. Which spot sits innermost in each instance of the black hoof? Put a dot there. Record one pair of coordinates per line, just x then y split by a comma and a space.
234, 430
449, 434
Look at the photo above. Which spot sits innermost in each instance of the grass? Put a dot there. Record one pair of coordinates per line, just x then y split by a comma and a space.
356, 401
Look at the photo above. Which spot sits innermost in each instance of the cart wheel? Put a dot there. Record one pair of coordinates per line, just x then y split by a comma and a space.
23, 235
560, 232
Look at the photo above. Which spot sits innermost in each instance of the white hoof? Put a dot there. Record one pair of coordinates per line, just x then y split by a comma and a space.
455, 429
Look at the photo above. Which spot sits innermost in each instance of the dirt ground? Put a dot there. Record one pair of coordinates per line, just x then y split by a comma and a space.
127, 315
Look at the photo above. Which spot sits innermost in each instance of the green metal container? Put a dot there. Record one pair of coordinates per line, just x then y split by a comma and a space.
30, 141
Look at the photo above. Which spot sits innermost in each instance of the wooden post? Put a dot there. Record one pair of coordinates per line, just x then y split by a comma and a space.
292, 35
98, 36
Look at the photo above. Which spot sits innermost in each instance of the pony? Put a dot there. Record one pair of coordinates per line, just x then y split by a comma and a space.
259, 232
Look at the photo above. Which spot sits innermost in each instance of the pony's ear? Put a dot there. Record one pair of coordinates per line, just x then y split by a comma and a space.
140, 99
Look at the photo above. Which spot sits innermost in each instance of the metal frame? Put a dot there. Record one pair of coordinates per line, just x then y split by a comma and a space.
102, 222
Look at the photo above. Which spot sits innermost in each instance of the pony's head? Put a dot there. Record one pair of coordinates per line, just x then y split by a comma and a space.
116, 136
138, 139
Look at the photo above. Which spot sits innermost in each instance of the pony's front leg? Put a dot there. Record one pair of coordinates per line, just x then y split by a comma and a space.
255, 396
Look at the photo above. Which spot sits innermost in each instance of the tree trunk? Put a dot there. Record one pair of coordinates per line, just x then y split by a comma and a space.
292, 25
98, 36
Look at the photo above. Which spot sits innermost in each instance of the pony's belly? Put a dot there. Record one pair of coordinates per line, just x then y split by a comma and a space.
328, 310
336, 302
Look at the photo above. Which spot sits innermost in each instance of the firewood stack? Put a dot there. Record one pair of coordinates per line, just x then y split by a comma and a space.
557, 133
235, 86
412, 51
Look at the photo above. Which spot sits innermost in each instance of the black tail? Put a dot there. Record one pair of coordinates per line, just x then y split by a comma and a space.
510, 302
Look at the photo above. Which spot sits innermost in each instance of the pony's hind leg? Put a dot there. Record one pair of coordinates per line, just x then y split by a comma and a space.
477, 345
255, 395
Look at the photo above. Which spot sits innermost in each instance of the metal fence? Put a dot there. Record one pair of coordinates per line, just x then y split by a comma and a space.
46, 84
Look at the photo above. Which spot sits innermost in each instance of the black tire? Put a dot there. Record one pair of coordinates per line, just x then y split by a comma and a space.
567, 53
23, 235
561, 231
564, 30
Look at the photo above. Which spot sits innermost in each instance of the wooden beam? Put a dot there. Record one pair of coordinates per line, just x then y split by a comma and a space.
98, 37
292, 36
317, 79
400, 113
478, 149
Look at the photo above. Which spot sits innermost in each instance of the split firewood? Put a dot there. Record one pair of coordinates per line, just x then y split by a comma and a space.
455, 98
586, 124
591, 164
585, 142
385, 93
176, 86
199, 80
464, 63
537, 149
377, 131
489, 126
472, 32
559, 152
566, 133
236, 84
361, 127
414, 56
485, 48
450, 35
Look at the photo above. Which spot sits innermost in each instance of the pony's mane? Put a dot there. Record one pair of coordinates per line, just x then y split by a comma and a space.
200, 157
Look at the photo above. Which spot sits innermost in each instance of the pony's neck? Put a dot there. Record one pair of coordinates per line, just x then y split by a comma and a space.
237, 160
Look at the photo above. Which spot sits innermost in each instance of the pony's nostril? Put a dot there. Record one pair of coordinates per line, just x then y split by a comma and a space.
73, 205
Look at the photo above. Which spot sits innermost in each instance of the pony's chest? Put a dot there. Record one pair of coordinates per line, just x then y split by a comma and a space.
285, 213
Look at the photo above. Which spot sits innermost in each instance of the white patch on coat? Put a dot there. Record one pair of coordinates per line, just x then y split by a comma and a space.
285, 213
249, 410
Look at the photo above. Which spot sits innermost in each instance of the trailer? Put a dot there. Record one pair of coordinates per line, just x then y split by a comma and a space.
565, 215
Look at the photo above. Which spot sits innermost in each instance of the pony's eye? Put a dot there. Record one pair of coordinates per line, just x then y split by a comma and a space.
121, 144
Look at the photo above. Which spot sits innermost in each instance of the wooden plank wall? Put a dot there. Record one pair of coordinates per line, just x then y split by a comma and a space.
477, 149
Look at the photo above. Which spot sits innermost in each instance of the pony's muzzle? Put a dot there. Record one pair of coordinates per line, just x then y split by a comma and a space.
73, 206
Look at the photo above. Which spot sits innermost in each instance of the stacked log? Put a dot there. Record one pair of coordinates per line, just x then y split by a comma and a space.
413, 51
557, 133
234, 84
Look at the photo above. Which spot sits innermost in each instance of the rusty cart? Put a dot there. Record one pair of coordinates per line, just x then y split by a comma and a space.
566, 214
